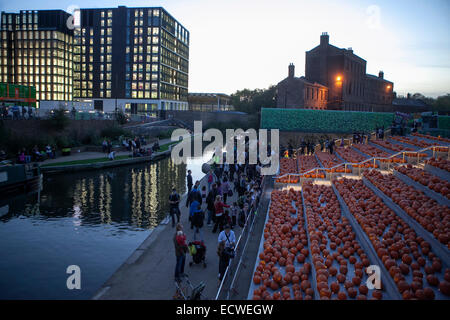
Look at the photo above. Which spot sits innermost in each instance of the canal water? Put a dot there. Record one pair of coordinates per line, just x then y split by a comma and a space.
92, 219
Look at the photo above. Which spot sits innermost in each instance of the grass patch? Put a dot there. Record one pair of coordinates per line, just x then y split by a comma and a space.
165, 147
85, 161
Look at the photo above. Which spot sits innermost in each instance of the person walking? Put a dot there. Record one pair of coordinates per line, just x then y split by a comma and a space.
226, 170
219, 213
210, 180
181, 248
227, 243
224, 260
210, 205
234, 213
232, 171
192, 209
218, 172
331, 146
197, 221
225, 189
189, 181
48, 150
227, 236
174, 202
196, 193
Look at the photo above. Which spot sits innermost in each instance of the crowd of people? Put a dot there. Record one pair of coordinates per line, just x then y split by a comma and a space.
35, 154
308, 146
16, 112
210, 205
137, 147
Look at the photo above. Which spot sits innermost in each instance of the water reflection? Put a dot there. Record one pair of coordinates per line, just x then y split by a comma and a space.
94, 219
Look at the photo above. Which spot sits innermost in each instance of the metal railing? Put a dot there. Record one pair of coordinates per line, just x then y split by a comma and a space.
236, 262
360, 164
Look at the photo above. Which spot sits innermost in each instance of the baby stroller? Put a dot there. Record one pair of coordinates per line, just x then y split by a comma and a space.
197, 249
186, 291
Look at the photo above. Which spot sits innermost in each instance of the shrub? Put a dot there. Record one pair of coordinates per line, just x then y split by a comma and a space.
444, 122
113, 132
121, 117
165, 134
63, 142
58, 120
90, 138
330, 121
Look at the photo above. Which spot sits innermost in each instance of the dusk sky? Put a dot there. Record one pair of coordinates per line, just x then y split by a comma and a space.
238, 44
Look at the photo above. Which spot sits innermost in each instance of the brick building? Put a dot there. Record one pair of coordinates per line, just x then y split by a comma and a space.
342, 76
293, 92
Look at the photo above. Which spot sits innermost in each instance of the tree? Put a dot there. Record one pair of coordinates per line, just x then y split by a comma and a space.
442, 104
251, 101
428, 100
58, 120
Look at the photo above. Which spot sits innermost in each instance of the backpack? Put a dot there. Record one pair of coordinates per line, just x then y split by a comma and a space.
198, 218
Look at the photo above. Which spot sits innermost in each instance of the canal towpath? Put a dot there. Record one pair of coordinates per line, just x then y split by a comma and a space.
148, 274
77, 156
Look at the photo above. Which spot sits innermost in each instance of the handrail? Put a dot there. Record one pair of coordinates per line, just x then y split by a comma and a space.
359, 163
246, 232
219, 290
251, 216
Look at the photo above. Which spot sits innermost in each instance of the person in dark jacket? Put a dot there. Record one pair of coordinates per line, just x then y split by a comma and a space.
192, 209
210, 204
197, 221
195, 194
174, 201
189, 181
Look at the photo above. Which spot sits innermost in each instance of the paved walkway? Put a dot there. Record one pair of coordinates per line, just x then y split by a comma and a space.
149, 271
75, 156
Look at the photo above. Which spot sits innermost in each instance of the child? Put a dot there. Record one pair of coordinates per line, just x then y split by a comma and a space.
226, 218
234, 212
204, 192
181, 238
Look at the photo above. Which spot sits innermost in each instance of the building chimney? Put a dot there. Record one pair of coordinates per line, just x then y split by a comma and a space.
350, 49
381, 74
408, 96
324, 39
291, 70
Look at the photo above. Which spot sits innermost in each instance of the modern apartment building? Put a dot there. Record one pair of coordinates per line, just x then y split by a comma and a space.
133, 59
36, 50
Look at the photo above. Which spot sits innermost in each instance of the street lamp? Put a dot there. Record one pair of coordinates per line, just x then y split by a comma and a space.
338, 78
